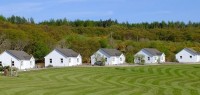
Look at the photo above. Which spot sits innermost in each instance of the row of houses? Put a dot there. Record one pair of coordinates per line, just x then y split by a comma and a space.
68, 57
150, 55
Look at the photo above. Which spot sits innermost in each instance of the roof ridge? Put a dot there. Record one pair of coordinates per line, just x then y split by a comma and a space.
67, 52
192, 50
111, 52
21, 55
152, 51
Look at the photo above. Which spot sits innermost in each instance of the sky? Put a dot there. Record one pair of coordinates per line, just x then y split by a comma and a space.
133, 11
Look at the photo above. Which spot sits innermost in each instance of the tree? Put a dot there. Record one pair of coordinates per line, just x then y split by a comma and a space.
2, 18
32, 21
40, 50
103, 43
129, 57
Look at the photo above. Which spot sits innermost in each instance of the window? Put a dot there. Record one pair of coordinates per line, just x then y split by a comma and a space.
77, 59
0, 63
13, 63
181, 57
120, 59
190, 56
50, 60
30, 63
61, 60
139, 59
148, 58
113, 59
106, 59
69, 60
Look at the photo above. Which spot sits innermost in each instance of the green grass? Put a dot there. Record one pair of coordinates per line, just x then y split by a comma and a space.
144, 80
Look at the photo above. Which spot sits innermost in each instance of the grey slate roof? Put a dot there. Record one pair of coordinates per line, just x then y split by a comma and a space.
153, 51
192, 51
67, 52
111, 52
21, 55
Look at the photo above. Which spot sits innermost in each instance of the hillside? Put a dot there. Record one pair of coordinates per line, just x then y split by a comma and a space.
88, 36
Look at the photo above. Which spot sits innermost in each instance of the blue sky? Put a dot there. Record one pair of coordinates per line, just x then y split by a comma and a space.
133, 11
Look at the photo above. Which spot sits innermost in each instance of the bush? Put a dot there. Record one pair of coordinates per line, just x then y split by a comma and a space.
142, 62
7, 67
14, 69
99, 63
129, 58
1, 68
103, 64
49, 66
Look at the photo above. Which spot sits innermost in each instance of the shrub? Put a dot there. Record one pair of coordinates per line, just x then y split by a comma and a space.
49, 66
1, 68
7, 67
14, 69
142, 62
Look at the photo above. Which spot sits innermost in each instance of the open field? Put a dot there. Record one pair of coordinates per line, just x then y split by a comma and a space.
142, 80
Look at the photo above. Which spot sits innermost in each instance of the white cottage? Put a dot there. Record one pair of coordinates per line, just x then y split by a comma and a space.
18, 59
188, 55
111, 56
150, 55
63, 57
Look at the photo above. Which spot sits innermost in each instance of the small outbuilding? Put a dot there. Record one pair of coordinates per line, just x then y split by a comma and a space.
188, 55
109, 56
63, 57
18, 59
149, 55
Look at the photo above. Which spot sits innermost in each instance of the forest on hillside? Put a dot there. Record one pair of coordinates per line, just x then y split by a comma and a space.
87, 36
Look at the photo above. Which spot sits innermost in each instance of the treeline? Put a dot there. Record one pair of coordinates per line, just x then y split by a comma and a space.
110, 22
17, 20
88, 36
101, 23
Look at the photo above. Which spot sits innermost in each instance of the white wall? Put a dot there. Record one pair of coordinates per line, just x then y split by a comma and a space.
27, 64
79, 60
6, 58
186, 57
56, 59
118, 59
198, 58
162, 58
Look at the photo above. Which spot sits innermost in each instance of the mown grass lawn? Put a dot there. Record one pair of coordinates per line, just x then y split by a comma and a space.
143, 80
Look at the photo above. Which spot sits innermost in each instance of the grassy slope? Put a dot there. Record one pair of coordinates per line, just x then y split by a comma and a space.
145, 80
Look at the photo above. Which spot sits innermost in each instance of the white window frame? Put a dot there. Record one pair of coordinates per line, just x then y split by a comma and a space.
148, 58
113, 58
61, 60
77, 59
69, 60
50, 60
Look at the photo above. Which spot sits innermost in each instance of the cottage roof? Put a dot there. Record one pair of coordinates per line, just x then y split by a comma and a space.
67, 52
111, 52
21, 55
153, 51
192, 51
